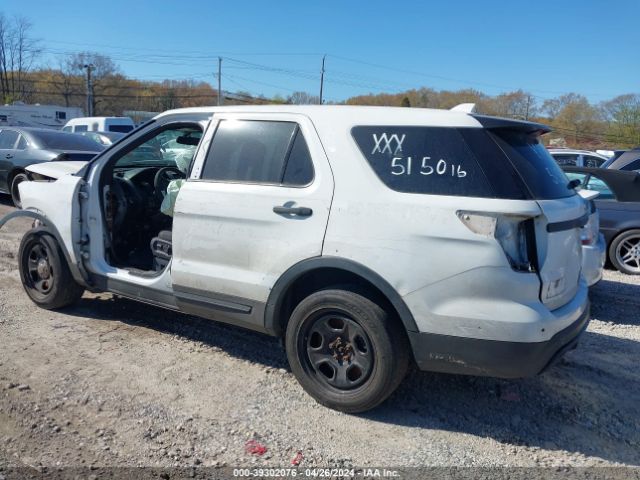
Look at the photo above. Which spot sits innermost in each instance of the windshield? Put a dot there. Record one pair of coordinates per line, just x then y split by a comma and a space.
65, 141
542, 175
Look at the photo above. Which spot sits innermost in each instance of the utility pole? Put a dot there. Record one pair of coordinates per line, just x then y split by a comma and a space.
219, 81
89, 67
322, 78
526, 117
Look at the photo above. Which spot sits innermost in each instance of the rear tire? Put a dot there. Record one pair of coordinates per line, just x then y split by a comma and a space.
346, 351
44, 272
624, 252
15, 193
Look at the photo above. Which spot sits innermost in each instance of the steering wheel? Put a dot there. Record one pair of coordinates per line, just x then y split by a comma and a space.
127, 199
161, 181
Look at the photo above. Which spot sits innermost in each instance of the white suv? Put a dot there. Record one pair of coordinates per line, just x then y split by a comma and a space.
366, 237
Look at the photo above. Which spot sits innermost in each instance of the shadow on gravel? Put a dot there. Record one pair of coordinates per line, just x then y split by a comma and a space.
587, 404
615, 302
235, 341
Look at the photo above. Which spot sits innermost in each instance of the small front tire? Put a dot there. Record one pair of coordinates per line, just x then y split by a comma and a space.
44, 272
346, 351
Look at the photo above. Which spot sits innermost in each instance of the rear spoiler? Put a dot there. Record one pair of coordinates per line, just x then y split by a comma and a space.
493, 123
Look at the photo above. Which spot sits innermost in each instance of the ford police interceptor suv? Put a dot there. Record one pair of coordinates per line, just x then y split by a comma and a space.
365, 237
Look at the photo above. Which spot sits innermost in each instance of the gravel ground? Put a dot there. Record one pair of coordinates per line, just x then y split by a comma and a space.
111, 382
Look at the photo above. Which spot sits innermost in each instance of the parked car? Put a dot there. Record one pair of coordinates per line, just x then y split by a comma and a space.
619, 205
99, 124
578, 158
365, 237
20, 147
103, 138
594, 246
629, 161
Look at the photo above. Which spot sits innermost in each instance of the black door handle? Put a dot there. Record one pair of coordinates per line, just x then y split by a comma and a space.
8, 155
299, 211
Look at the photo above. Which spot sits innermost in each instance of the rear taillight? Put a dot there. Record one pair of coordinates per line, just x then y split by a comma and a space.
589, 233
514, 233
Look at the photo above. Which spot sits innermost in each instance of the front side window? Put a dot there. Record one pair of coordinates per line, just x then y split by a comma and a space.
566, 160
170, 147
80, 128
265, 152
8, 139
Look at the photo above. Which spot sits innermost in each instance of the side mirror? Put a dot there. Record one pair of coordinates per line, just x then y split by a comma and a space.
575, 183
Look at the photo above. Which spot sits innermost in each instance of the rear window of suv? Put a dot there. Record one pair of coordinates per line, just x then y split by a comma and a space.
543, 176
472, 162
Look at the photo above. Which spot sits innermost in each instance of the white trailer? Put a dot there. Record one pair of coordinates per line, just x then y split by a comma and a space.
44, 116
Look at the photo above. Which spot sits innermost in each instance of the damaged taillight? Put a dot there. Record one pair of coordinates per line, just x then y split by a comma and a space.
514, 233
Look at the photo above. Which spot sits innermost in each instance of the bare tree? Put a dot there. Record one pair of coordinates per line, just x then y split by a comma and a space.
104, 73
303, 98
18, 52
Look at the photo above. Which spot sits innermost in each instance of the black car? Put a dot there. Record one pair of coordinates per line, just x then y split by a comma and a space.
619, 206
21, 147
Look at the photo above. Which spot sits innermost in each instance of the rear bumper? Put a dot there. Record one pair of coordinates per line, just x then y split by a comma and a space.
472, 356
593, 258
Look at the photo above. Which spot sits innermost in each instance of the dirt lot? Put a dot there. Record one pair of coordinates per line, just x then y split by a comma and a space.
111, 382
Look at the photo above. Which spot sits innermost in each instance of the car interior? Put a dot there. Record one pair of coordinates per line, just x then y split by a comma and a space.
137, 208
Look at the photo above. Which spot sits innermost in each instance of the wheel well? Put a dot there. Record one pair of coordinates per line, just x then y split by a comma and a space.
321, 279
13, 173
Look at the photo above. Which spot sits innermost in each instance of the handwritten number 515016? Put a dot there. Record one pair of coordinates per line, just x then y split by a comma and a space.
404, 166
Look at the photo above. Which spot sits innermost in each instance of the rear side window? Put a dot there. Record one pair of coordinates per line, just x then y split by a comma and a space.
430, 160
599, 185
65, 141
266, 152
542, 175
80, 128
635, 165
299, 168
120, 128
591, 161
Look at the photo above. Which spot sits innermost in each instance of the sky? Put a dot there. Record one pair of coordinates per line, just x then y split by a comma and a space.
548, 48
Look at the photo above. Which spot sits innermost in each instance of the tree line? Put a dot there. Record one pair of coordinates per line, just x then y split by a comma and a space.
614, 123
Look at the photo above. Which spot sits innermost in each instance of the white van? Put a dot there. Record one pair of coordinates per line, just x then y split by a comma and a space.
99, 124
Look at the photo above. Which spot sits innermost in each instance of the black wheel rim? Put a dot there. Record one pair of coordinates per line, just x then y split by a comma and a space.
40, 275
338, 350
